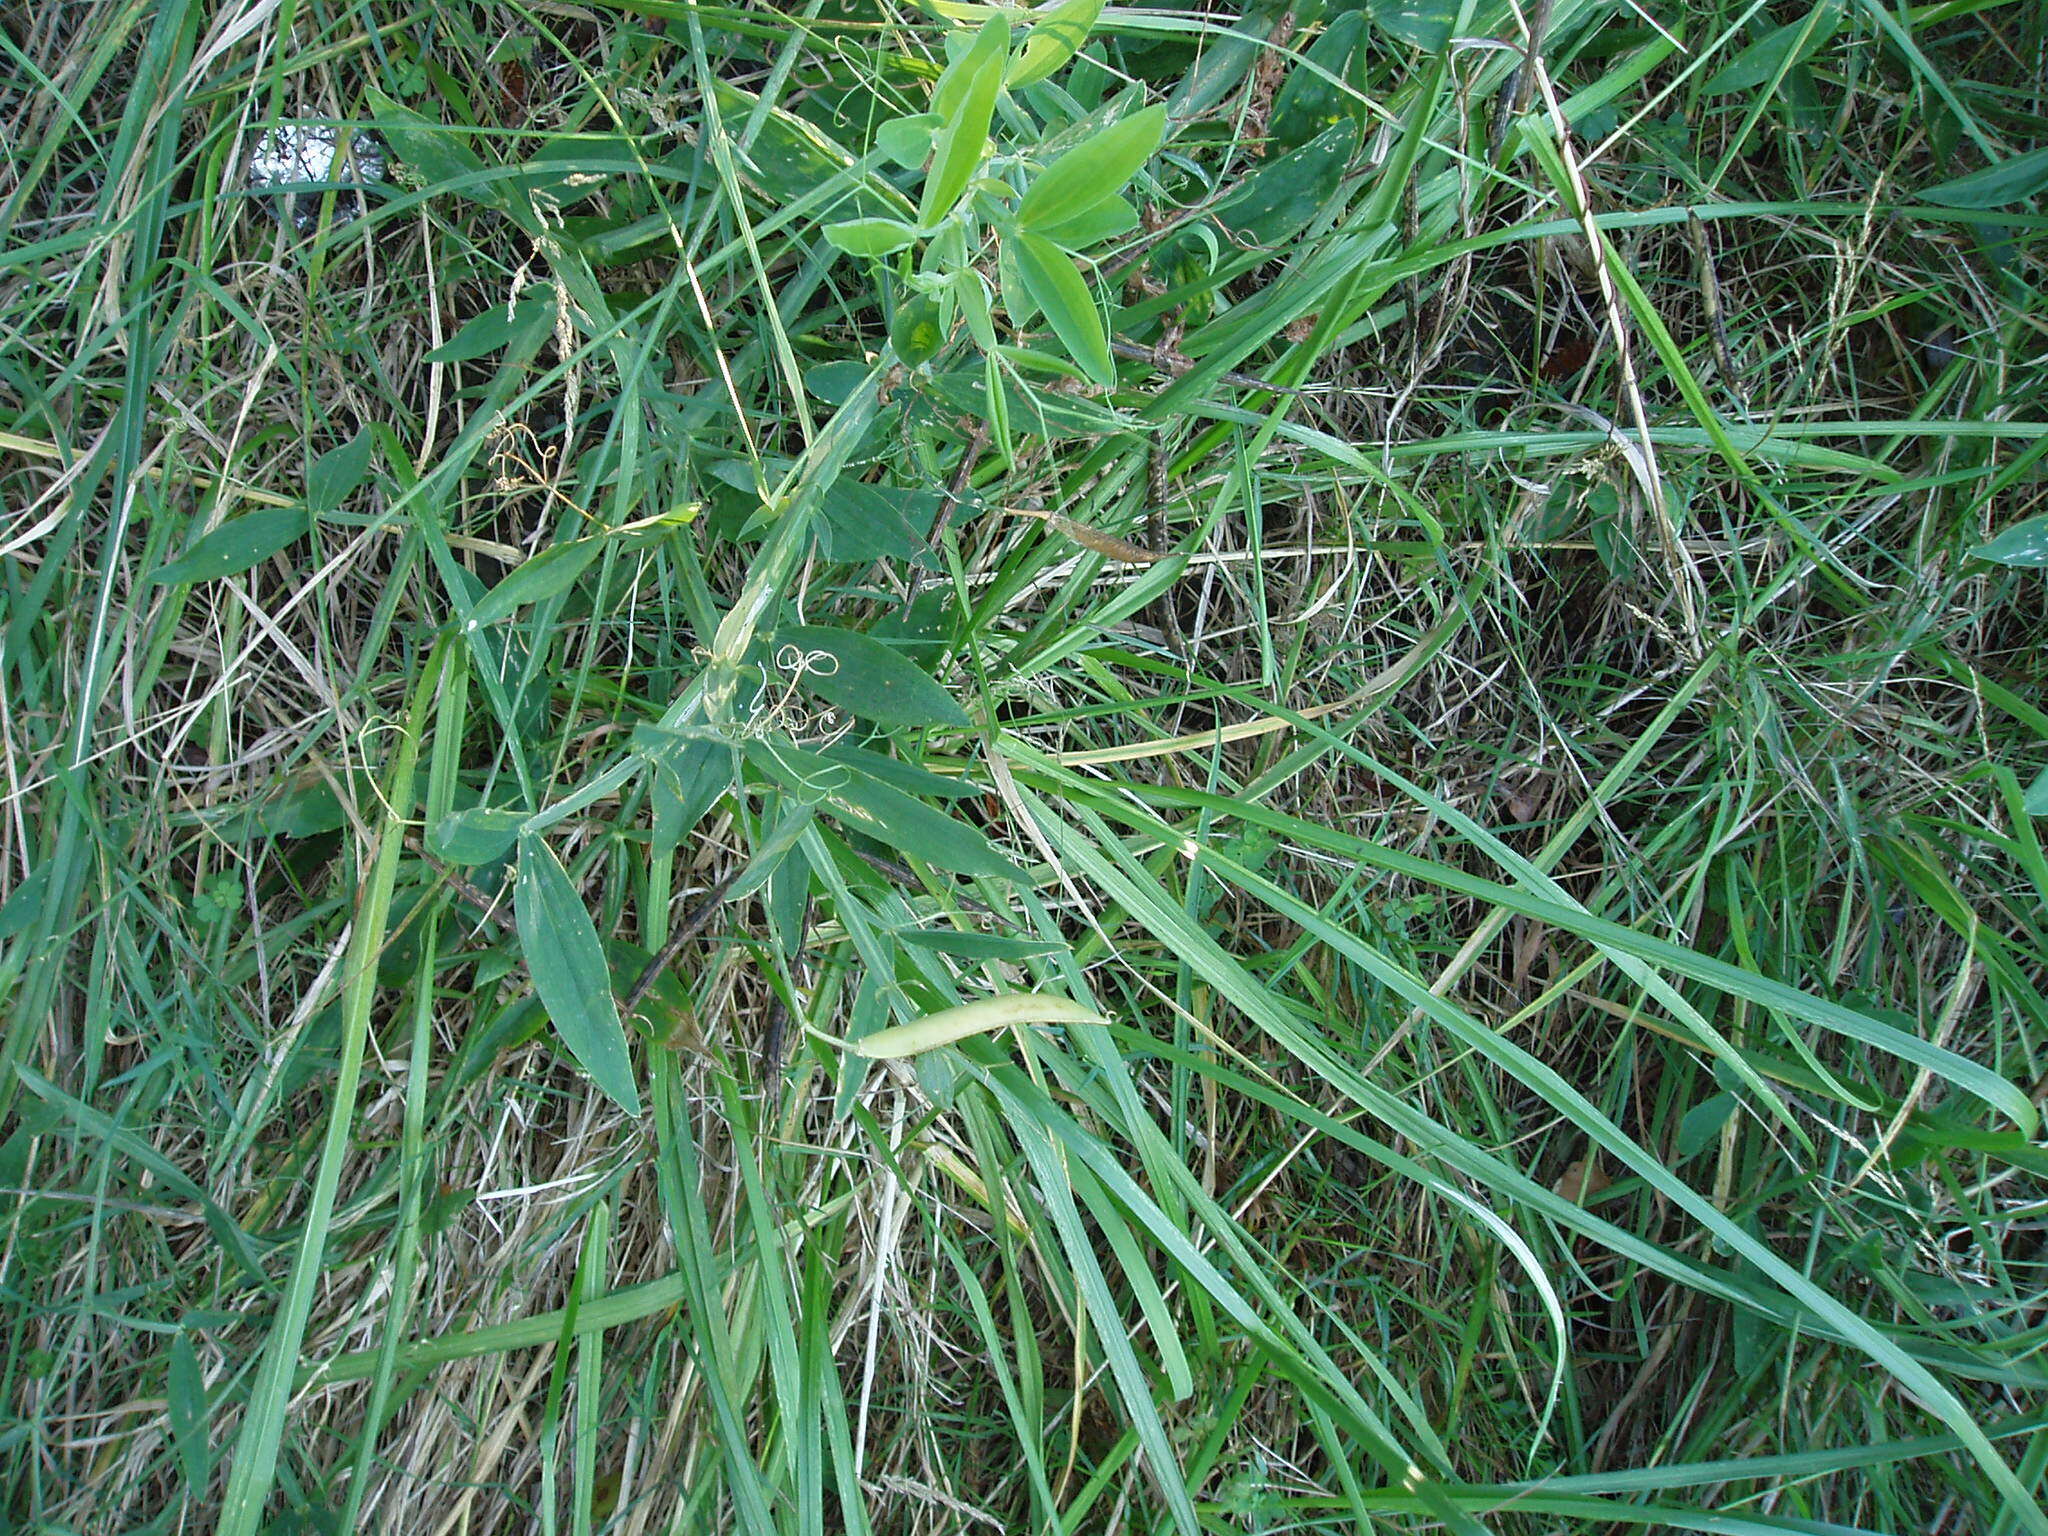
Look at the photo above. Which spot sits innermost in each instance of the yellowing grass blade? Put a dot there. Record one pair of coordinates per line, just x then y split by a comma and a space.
950, 1024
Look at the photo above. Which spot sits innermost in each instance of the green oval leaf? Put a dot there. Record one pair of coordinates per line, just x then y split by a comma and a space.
185, 1411
690, 773
1770, 56
790, 157
888, 815
1424, 24
966, 97
871, 680
1044, 411
2022, 544
1314, 98
2010, 181
1057, 287
235, 546
548, 574
908, 140
1702, 1124
1284, 194
907, 777
306, 809
912, 827
479, 835
568, 168
865, 522
870, 237
337, 474
519, 328
442, 156
1106, 220
24, 904
1056, 36
975, 946
1093, 172
915, 331
569, 972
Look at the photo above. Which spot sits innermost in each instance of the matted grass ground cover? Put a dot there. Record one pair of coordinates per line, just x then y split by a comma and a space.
883, 767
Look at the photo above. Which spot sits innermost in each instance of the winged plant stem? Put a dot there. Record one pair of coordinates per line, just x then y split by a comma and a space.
589, 1373
254, 1466
698, 1287
797, 502
405, 1261
442, 777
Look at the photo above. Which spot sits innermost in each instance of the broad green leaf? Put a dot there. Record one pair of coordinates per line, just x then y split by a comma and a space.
972, 298
1107, 219
865, 522
2036, 800
690, 773
442, 156
2022, 544
548, 574
953, 81
24, 904
871, 680
870, 237
518, 328
916, 332
745, 475
1041, 411
667, 1006
569, 972
1702, 1123
307, 808
1313, 99
995, 392
1016, 298
1613, 540
2009, 181
907, 827
1284, 194
570, 167
1056, 36
1029, 360
834, 383
478, 835
1773, 54
185, 1411
1091, 172
908, 140
668, 822
337, 474
968, 90
790, 157
236, 545
975, 946
907, 777
1057, 287
1424, 24
914, 828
